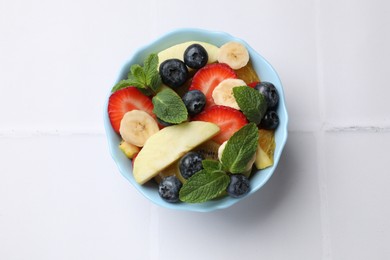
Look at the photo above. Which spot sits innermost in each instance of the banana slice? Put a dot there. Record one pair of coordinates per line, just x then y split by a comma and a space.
233, 54
137, 126
223, 93
220, 150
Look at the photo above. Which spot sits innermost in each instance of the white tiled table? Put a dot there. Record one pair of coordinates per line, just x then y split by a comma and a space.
61, 196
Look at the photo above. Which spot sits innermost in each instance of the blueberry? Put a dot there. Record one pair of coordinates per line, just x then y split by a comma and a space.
190, 164
173, 72
195, 101
270, 93
195, 56
169, 188
270, 120
238, 186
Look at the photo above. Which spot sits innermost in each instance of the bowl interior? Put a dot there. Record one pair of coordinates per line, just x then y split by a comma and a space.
266, 73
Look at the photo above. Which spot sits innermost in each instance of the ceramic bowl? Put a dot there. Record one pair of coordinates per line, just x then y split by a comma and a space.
264, 70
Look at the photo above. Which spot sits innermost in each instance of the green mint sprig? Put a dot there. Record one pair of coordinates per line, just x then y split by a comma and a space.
212, 165
147, 78
213, 180
169, 107
251, 103
203, 186
240, 148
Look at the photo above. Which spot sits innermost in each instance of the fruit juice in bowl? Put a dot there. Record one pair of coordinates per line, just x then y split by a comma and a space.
198, 121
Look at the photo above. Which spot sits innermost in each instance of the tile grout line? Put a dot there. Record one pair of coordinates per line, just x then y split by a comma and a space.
320, 134
325, 128
320, 137
324, 204
17, 133
356, 128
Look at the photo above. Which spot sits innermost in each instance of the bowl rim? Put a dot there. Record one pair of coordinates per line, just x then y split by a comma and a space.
213, 204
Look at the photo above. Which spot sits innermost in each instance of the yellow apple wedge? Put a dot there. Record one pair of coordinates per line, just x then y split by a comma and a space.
263, 160
128, 149
177, 51
265, 149
168, 145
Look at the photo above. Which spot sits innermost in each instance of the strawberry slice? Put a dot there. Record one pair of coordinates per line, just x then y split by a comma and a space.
253, 84
125, 100
208, 77
228, 119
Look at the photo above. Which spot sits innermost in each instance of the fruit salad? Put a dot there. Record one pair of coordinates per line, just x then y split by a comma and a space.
197, 120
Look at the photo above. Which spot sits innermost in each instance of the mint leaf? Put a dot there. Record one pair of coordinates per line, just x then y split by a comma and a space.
251, 103
204, 186
151, 64
137, 72
146, 78
127, 83
212, 165
153, 79
169, 107
240, 148
122, 84
154, 82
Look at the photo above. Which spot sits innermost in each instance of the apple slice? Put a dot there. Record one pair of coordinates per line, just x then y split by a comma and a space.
265, 149
177, 51
130, 150
168, 145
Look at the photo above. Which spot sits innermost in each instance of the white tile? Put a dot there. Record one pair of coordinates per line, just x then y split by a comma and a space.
357, 180
60, 69
59, 59
280, 221
354, 40
284, 32
61, 197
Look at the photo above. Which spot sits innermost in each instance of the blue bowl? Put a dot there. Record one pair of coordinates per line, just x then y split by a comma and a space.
266, 73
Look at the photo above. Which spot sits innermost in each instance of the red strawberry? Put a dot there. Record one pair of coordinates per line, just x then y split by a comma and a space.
208, 77
253, 84
228, 119
125, 100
